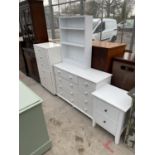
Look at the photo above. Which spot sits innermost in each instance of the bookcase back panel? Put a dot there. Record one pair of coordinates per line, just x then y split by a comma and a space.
72, 36
72, 22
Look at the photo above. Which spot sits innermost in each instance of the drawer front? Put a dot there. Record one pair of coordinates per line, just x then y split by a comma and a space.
86, 85
58, 72
70, 77
59, 87
46, 80
66, 75
71, 91
85, 102
105, 109
42, 58
105, 122
67, 90
60, 91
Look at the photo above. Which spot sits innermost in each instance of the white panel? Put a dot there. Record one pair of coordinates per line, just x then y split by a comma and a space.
72, 36
76, 46
72, 22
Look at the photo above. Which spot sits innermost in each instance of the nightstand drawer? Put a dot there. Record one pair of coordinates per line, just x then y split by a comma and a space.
105, 122
105, 109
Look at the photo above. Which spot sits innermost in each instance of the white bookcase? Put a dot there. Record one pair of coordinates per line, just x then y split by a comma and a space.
76, 40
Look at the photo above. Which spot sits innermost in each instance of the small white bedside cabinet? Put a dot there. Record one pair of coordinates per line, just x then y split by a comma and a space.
110, 105
47, 54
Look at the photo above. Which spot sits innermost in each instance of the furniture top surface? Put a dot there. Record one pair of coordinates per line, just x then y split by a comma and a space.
47, 45
90, 74
127, 57
115, 96
106, 44
27, 98
77, 16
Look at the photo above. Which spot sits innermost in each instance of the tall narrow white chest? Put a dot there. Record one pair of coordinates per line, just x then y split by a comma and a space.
47, 54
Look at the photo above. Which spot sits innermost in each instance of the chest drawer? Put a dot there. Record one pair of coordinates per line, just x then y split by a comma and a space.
66, 89
86, 86
58, 72
105, 122
71, 77
105, 109
46, 80
42, 58
66, 75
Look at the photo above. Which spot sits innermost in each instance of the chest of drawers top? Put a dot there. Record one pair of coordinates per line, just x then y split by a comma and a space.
90, 74
114, 96
47, 45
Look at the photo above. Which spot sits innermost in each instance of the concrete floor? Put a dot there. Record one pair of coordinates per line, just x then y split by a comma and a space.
71, 131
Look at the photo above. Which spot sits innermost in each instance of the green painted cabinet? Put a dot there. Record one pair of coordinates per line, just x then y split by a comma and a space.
33, 135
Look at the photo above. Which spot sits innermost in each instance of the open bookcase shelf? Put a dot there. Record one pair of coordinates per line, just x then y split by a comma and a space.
76, 40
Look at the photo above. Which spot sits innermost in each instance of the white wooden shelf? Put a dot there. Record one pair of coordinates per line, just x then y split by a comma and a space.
72, 28
72, 44
76, 39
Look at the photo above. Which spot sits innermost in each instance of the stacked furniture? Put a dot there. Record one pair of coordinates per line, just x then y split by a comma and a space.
83, 87
33, 134
75, 85
33, 30
103, 52
47, 54
88, 89
75, 80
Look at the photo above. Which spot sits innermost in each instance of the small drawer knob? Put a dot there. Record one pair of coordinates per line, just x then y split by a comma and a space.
70, 77
105, 110
85, 101
86, 84
86, 93
71, 93
104, 121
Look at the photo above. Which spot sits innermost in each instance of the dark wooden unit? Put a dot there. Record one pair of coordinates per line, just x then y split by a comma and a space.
22, 61
103, 52
33, 30
123, 71
31, 63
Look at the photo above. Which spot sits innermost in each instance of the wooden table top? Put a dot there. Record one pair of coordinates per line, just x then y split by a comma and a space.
106, 44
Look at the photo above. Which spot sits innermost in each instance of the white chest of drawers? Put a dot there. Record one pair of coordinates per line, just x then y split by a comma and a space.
47, 54
75, 85
110, 105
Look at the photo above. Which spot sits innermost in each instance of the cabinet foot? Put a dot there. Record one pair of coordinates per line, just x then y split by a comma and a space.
117, 139
93, 123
